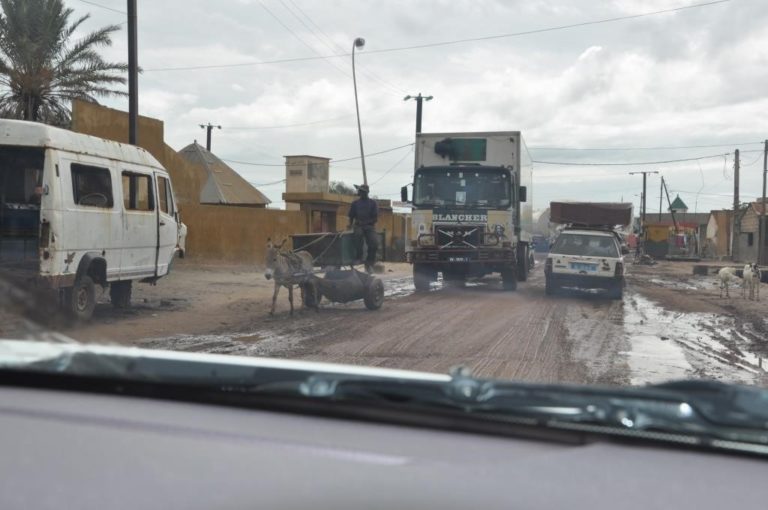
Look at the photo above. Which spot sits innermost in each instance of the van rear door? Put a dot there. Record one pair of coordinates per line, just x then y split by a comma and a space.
166, 220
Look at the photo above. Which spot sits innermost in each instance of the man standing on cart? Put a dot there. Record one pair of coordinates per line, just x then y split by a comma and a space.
363, 215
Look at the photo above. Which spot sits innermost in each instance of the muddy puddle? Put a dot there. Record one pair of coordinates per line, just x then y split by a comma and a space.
256, 343
666, 345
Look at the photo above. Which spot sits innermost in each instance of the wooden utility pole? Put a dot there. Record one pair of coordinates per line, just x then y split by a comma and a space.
644, 195
661, 196
133, 76
736, 231
761, 236
208, 129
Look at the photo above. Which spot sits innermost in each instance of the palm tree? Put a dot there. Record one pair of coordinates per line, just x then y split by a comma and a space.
42, 69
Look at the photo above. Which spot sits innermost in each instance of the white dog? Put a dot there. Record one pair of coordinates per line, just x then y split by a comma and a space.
726, 277
752, 277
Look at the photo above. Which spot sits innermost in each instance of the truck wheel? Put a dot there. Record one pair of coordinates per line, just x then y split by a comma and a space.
422, 277
523, 266
509, 278
80, 299
374, 295
120, 294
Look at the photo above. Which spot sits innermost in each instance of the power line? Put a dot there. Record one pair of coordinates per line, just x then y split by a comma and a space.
311, 123
250, 163
375, 153
104, 7
392, 167
330, 44
443, 43
266, 183
590, 163
670, 147
302, 41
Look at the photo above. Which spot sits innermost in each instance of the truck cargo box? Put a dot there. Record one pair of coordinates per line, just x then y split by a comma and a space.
591, 214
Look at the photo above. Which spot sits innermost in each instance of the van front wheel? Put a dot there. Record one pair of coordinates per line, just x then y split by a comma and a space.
80, 300
120, 294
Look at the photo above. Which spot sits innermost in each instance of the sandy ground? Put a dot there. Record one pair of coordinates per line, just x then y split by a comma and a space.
670, 324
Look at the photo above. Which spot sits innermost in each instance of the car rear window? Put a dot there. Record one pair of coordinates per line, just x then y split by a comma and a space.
586, 245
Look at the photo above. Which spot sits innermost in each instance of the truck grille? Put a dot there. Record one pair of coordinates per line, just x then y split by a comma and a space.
458, 236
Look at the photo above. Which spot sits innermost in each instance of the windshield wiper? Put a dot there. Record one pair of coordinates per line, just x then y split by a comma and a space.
706, 411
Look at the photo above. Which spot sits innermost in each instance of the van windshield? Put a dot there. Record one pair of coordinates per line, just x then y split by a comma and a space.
585, 245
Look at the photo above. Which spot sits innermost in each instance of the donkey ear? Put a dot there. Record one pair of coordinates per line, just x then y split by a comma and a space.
269, 242
283, 243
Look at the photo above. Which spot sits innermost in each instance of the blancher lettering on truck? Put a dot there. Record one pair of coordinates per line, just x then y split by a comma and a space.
472, 212
78, 211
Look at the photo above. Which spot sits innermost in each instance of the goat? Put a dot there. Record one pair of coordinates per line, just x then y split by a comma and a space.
752, 277
287, 269
726, 276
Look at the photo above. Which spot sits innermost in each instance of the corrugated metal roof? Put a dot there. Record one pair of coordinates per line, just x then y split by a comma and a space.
224, 185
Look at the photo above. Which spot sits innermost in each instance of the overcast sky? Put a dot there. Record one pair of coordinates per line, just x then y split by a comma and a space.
691, 77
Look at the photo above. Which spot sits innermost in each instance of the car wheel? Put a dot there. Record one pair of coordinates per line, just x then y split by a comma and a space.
120, 294
549, 286
81, 298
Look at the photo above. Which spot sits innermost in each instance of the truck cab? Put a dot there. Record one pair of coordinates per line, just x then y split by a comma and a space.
471, 215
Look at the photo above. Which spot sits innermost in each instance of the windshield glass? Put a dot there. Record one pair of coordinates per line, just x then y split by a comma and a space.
586, 245
376, 187
463, 186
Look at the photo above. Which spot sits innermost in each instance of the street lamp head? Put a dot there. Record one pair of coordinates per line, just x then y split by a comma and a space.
359, 42
406, 98
428, 98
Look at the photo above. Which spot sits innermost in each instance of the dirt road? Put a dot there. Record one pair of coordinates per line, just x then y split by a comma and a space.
669, 325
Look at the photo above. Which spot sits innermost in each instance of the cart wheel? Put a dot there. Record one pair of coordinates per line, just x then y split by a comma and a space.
374, 295
311, 294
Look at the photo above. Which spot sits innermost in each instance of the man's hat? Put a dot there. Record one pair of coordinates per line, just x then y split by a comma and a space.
363, 187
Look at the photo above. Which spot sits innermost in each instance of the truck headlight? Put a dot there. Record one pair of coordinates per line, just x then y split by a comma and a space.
422, 228
498, 230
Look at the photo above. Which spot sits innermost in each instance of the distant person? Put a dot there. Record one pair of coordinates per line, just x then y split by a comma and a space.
363, 215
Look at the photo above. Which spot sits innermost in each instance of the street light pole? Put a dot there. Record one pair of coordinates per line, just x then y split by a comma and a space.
418, 98
358, 43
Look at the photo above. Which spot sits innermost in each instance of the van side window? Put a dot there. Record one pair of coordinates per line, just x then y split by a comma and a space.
137, 192
164, 195
92, 186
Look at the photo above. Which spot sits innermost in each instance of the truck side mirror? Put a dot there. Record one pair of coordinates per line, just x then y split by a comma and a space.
523, 194
404, 194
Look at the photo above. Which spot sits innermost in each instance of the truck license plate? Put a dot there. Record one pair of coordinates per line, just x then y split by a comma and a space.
458, 259
583, 267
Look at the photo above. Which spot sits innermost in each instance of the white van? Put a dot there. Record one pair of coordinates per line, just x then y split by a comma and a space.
78, 211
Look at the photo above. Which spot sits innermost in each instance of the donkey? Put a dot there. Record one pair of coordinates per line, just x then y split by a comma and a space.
283, 267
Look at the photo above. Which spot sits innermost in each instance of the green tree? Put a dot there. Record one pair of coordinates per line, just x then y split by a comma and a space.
341, 188
43, 67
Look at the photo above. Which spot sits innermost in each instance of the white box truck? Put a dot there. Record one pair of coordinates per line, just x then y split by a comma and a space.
78, 211
472, 212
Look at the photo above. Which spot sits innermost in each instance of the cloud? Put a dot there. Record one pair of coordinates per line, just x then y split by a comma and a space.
686, 78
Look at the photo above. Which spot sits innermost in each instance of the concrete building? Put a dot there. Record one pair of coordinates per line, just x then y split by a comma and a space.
718, 239
748, 235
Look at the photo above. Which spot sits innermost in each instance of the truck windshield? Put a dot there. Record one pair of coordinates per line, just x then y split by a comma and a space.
487, 187
586, 245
